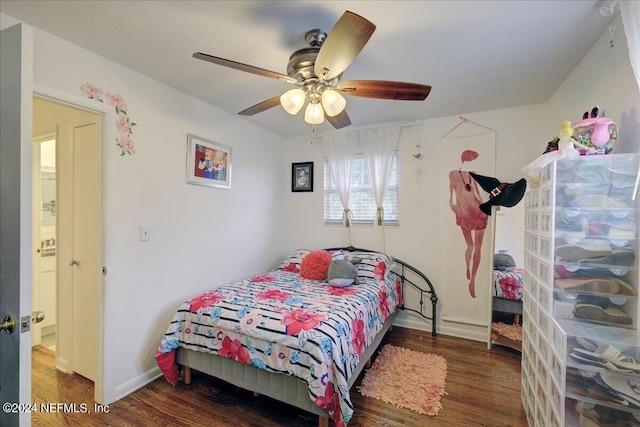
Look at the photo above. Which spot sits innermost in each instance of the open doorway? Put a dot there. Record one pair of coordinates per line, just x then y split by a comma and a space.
67, 235
44, 236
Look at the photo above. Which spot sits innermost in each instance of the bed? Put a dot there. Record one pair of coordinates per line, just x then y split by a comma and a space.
508, 293
299, 341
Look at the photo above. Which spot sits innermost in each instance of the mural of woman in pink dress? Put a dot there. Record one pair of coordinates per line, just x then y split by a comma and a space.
465, 200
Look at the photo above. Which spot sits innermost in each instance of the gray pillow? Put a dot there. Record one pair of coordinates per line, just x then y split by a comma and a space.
503, 261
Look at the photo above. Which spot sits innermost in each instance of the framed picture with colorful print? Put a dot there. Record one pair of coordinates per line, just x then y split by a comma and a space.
302, 176
208, 163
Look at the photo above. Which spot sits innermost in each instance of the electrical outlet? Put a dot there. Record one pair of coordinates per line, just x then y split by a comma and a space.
145, 233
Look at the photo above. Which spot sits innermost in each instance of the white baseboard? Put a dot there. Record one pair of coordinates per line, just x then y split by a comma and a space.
62, 365
137, 382
454, 329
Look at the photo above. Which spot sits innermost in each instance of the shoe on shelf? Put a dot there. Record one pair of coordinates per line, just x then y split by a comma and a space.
600, 285
597, 313
620, 257
576, 253
619, 385
608, 354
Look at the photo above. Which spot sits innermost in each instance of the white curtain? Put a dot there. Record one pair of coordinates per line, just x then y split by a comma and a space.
379, 146
340, 150
630, 12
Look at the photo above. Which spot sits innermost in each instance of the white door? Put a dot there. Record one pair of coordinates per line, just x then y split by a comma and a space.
16, 89
44, 238
78, 234
86, 261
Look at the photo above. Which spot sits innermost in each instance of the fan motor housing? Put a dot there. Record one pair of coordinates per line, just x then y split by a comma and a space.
302, 61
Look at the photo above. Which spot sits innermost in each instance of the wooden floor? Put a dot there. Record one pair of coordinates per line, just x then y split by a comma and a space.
483, 389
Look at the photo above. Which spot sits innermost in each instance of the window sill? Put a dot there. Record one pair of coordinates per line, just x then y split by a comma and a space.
393, 224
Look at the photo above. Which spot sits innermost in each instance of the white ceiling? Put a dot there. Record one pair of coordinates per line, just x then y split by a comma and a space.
476, 55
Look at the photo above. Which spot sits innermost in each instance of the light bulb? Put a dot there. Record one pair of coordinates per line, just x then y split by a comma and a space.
292, 101
333, 102
314, 114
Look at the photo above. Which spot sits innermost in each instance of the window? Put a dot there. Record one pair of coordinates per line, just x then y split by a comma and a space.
361, 201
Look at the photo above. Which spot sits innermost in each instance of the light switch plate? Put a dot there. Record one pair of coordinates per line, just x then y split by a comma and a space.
145, 233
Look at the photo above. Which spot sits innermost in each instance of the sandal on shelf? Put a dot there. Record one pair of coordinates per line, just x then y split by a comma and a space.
620, 386
621, 257
600, 392
581, 252
595, 312
612, 355
601, 285
603, 363
586, 344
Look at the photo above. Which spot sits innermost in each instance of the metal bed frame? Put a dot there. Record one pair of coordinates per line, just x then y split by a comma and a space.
404, 280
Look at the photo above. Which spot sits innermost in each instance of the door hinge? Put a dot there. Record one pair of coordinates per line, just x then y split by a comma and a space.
104, 271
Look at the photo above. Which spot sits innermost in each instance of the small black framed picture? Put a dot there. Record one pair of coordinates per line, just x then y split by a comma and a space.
302, 176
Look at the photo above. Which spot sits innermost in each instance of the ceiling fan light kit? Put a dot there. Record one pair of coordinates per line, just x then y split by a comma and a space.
333, 102
314, 114
317, 70
293, 100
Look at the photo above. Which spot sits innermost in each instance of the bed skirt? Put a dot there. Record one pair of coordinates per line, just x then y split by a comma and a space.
285, 388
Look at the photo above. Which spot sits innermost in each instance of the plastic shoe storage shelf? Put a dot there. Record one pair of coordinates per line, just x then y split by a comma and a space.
581, 346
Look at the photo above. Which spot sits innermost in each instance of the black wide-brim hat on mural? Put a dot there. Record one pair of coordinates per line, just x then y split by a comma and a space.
500, 193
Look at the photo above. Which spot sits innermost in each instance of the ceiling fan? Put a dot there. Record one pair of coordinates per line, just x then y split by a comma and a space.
316, 71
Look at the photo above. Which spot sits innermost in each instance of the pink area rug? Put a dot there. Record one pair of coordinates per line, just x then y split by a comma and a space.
408, 379
512, 332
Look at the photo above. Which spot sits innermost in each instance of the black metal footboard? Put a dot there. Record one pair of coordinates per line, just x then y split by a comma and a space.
409, 275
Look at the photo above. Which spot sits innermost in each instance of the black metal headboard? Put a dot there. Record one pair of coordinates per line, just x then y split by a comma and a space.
401, 273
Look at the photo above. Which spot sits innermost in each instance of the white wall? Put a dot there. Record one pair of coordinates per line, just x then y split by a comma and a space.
604, 77
418, 239
200, 237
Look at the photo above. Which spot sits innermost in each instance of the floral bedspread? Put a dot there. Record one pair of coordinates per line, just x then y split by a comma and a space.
283, 323
508, 284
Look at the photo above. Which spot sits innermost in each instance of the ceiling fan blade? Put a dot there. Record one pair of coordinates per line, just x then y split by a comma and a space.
383, 89
340, 120
261, 106
343, 44
244, 67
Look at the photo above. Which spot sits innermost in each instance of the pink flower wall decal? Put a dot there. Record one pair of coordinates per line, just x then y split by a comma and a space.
92, 92
124, 125
118, 102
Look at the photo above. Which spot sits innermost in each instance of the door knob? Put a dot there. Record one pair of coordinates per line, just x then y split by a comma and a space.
8, 324
37, 316
74, 262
